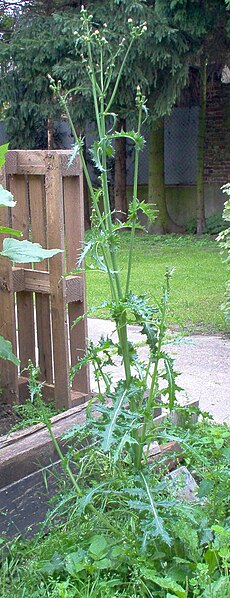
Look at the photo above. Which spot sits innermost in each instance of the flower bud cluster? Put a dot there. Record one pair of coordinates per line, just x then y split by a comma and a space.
56, 87
140, 98
137, 30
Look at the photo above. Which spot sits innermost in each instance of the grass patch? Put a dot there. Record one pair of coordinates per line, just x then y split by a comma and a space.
198, 282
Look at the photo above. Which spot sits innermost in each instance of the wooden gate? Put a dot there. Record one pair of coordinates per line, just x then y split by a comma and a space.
37, 303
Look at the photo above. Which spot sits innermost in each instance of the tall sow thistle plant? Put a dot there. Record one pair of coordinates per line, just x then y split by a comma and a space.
123, 429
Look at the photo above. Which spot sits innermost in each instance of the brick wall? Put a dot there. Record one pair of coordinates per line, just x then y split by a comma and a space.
217, 145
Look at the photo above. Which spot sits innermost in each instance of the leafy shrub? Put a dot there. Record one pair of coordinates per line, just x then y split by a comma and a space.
224, 240
214, 224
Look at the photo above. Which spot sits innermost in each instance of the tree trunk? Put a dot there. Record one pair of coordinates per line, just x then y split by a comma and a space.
200, 205
156, 185
120, 174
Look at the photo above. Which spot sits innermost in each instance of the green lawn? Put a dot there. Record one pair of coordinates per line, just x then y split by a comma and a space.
198, 281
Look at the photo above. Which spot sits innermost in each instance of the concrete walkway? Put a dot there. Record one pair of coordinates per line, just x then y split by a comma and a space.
203, 363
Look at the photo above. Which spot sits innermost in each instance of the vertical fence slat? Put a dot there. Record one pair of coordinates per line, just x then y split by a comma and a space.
38, 222
25, 307
55, 238
74, 229
8, 371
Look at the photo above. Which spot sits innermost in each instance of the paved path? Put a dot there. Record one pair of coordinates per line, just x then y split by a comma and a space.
203, 363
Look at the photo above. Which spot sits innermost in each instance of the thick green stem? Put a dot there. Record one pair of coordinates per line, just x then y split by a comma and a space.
136, 165
119, 78
152, 391
121, 324
92, 194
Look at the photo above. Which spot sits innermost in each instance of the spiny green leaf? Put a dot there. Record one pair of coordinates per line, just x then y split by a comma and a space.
149, 209
170, 376
133, 135
85, 500
76, 150
160, 530
109, 429
126, 440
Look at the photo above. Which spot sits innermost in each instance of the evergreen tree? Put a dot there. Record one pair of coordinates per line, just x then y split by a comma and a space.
179, 33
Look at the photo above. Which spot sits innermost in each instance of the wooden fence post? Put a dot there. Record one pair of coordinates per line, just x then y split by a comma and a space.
8, 371
55, 238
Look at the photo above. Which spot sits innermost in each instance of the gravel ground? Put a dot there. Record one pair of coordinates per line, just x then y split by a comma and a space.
202, 360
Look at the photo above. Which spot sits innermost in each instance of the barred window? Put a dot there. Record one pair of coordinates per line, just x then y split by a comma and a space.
180, 146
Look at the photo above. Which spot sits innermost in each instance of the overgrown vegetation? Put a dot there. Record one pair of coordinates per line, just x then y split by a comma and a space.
30, 411
214, 224
224, 240
153, 543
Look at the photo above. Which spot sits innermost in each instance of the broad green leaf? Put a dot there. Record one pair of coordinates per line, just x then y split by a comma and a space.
6, 198
211, 559
98, 546
25, 251
75, 562
103, 564
219, 588
6, 351
6, 230
164, 582
54, 565
3, 150
205, 487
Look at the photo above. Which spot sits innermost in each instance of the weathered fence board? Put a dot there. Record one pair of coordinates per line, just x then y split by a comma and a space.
49, 210
38, 216
25, 308
74, 220
8, 371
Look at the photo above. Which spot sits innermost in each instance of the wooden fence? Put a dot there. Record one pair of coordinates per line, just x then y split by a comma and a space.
37, 304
